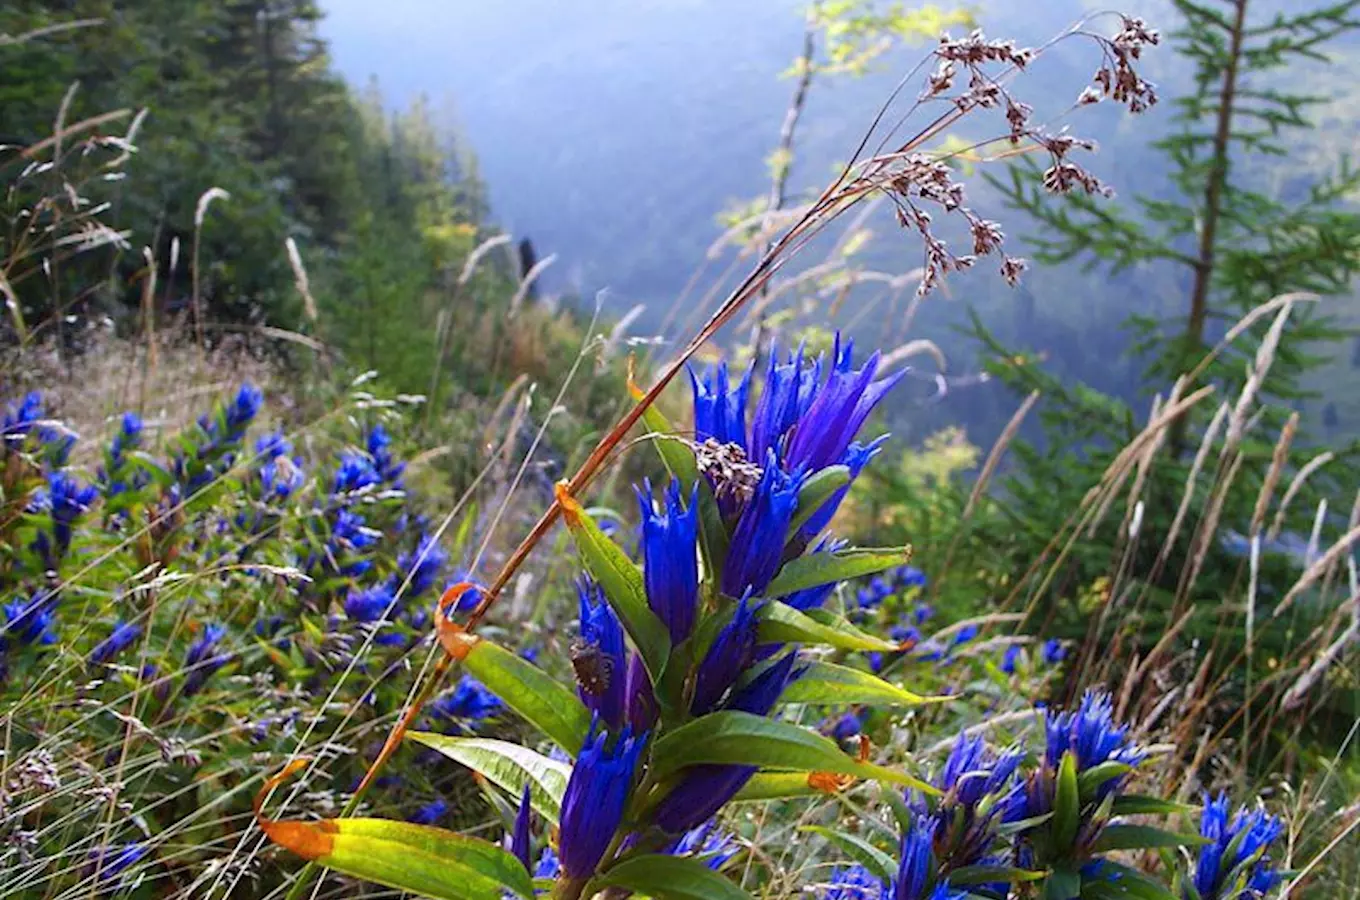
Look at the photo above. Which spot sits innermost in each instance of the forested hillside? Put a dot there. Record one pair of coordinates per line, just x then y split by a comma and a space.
238, 97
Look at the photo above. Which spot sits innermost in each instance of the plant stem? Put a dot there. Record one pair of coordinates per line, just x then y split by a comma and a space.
1204, 263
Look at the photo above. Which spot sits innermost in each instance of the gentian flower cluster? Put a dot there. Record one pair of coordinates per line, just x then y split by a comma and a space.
1234, 864
207, 455
65, 499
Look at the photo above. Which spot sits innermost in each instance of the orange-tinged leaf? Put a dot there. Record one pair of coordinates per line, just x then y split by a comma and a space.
421, 859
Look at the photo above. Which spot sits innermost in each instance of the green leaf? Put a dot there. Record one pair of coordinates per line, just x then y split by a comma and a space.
816, 491
1062, 884
1066, 803
421, 859
861, 851
1137, 804
829, 683
968, 875
622, 583
1006, 829
816, 569
531, 692
670, 878
776, 786
739, 738
1089, 782
781, 623
1126, 883
508, 766
897, 804
1142, 837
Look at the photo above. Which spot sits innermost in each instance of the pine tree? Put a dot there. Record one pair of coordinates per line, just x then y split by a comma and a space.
1233, 244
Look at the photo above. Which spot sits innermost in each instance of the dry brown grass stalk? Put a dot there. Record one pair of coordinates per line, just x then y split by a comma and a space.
1295, 484
1308, 680
997, 451
1277, 461
527, 282
1208, 530
1318, 569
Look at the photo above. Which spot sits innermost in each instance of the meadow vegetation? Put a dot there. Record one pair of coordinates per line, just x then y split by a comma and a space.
338, 559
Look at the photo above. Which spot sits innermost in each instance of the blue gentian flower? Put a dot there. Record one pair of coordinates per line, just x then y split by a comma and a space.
66, 499
379, 444
1008, 660
242, 411
790, 388
705, 789
124, 633
842, 405
1091, 733
355, 472
978, 787
965, 634
915, 867
594, 801
421, 566
637, 688
708, 843
1092, 736
670, 563
1235, 864
909, 577
111, 862
129, 436
30, 622
20, 418
469, 701
855, 883
280, 474
806, 423
519, 836
1053, 652
720, 411
548, 865
758, 540
846, 726
200, 662
598, 655
368, 605
732, 652
431, 813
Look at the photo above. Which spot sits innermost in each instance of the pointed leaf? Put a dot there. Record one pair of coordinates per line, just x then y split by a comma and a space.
1127, 882
508, 766
1092, 779
968, 875
531, 692
1066, 809
1137, 804
421, 859
622, 582
781, 623
670, 878
1142, 837
743, 739
816, 569
881, 864
829, 683
776, 786
816, 491
1062, 884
